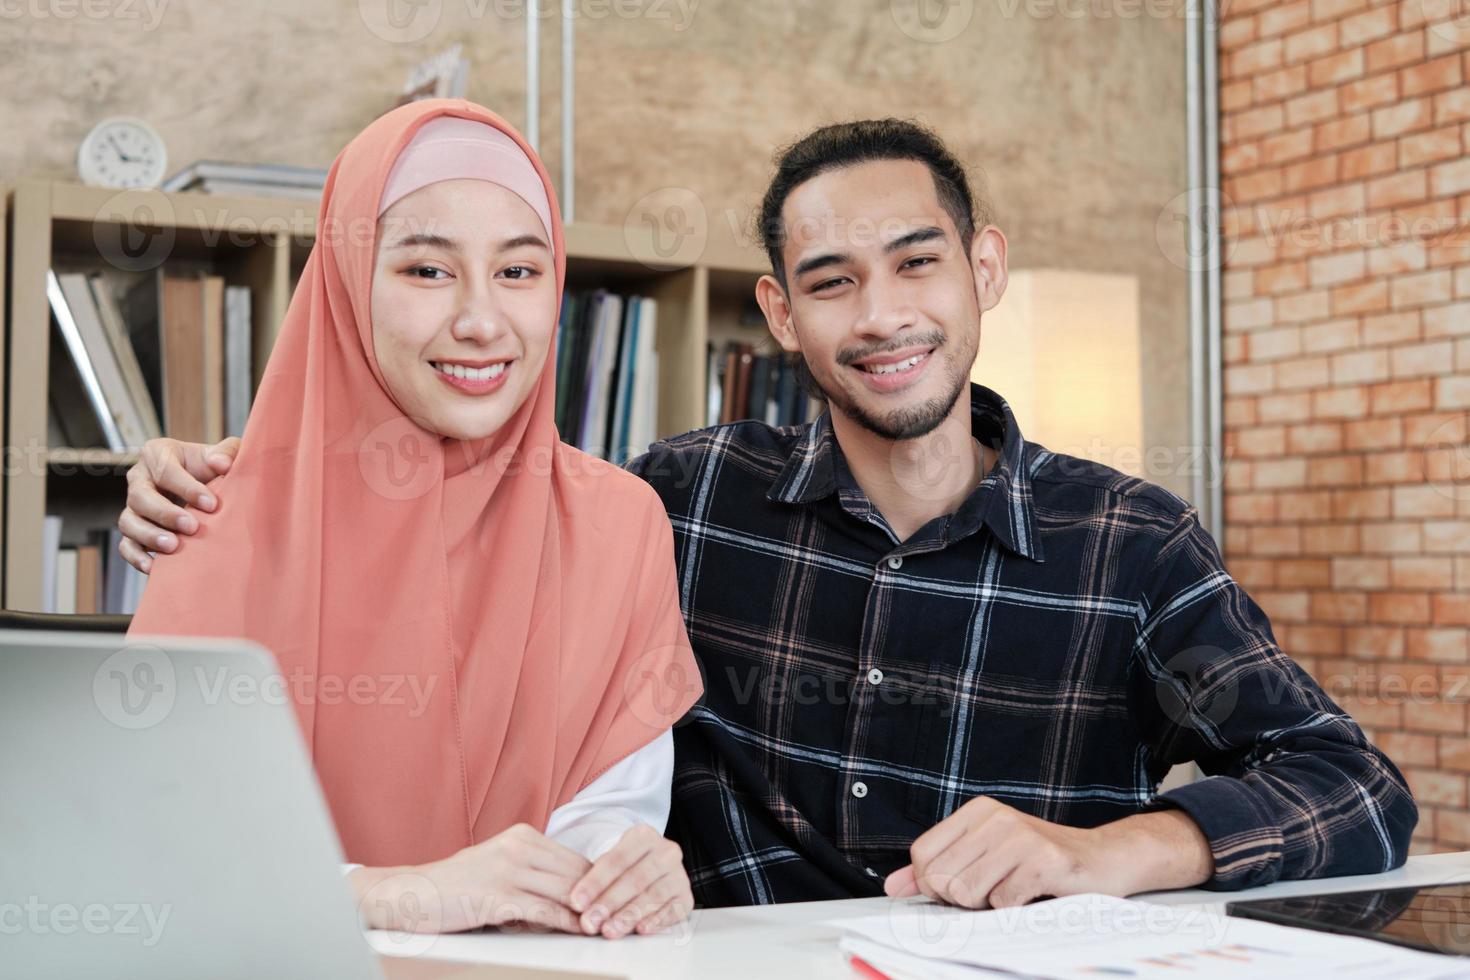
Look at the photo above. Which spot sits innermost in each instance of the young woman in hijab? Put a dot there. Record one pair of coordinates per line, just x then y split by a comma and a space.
402, 517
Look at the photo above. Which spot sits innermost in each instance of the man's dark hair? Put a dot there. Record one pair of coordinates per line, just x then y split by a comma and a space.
862, 141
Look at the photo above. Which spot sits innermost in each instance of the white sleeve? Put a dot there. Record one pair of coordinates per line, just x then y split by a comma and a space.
632, 792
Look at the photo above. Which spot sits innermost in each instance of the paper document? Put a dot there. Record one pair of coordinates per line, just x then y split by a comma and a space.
1098, 936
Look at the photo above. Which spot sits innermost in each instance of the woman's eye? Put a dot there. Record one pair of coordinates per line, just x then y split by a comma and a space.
519, 272
427, 272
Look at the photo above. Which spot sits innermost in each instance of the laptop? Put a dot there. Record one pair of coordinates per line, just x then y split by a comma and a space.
159, 817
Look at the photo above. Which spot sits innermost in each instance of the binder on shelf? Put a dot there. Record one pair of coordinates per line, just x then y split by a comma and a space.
239, 369
101, 378
127, 358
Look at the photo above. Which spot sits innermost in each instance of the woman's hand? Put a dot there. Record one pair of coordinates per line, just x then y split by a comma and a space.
639, 884
517, 876
168, 475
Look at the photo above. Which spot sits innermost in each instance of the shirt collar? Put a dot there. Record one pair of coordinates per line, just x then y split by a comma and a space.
1003, 501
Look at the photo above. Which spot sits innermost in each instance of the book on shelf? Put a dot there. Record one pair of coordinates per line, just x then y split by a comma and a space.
87, 577
607, 373
75, 312
249, 180
238, 367
744, 384
173, 356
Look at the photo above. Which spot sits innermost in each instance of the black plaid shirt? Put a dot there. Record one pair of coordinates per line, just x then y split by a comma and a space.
1057, 643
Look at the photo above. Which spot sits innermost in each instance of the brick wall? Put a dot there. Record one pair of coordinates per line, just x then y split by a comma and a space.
1345, 162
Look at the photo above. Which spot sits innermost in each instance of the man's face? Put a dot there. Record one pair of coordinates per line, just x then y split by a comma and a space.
881, 297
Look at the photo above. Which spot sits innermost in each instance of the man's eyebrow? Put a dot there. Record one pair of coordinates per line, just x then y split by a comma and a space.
915, 237
819, 262
424, 239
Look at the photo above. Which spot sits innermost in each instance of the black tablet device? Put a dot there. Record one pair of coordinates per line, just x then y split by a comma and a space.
1435, 918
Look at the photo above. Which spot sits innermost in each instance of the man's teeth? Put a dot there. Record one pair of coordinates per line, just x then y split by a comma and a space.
894, 368
469, 373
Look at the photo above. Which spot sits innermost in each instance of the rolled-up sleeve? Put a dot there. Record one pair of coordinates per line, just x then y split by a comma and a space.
1293, 789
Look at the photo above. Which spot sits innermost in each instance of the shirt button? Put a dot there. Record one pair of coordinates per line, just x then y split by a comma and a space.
860, 789
871, 872
875, 676
895, 563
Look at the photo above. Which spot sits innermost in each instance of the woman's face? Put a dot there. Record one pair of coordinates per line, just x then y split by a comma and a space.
464, 303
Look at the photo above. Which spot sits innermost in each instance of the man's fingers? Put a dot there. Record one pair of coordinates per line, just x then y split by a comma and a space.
145, 533
218, 458
134, 555
901, 884
173, 471
942, 870
970, 887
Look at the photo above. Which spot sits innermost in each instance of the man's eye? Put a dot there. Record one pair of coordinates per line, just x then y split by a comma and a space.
918, 261
828, 283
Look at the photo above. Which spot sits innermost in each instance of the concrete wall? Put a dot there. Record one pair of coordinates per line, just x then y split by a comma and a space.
1071, 112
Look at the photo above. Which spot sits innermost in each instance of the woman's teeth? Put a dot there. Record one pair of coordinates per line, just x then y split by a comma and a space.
894, 368
469, 373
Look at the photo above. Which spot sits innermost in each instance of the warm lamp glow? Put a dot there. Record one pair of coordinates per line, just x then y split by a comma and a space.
1062, 349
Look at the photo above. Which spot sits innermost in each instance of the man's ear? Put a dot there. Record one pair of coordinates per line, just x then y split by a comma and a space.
774, 304
988, 263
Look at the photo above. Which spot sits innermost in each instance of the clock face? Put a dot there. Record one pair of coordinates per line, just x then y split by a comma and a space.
122, 152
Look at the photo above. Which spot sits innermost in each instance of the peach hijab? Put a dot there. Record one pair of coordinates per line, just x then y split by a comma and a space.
470, 632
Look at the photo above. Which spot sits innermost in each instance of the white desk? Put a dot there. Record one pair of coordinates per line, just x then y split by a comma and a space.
776, 941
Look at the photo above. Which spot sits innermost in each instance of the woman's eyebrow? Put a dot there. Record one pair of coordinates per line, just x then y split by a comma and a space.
425, 240
526, 239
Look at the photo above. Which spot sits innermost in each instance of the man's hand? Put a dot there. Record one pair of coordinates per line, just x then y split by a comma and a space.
168, 475
989, 855
639, 884
519, 876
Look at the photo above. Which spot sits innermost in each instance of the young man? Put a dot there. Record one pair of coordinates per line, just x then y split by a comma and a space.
939, 658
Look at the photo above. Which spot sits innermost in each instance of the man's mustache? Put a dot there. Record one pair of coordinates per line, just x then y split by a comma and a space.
851, 356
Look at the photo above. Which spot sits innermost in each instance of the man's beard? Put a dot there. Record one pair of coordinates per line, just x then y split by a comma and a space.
912, 422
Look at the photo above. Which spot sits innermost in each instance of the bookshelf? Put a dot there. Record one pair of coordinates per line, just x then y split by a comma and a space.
263, 243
